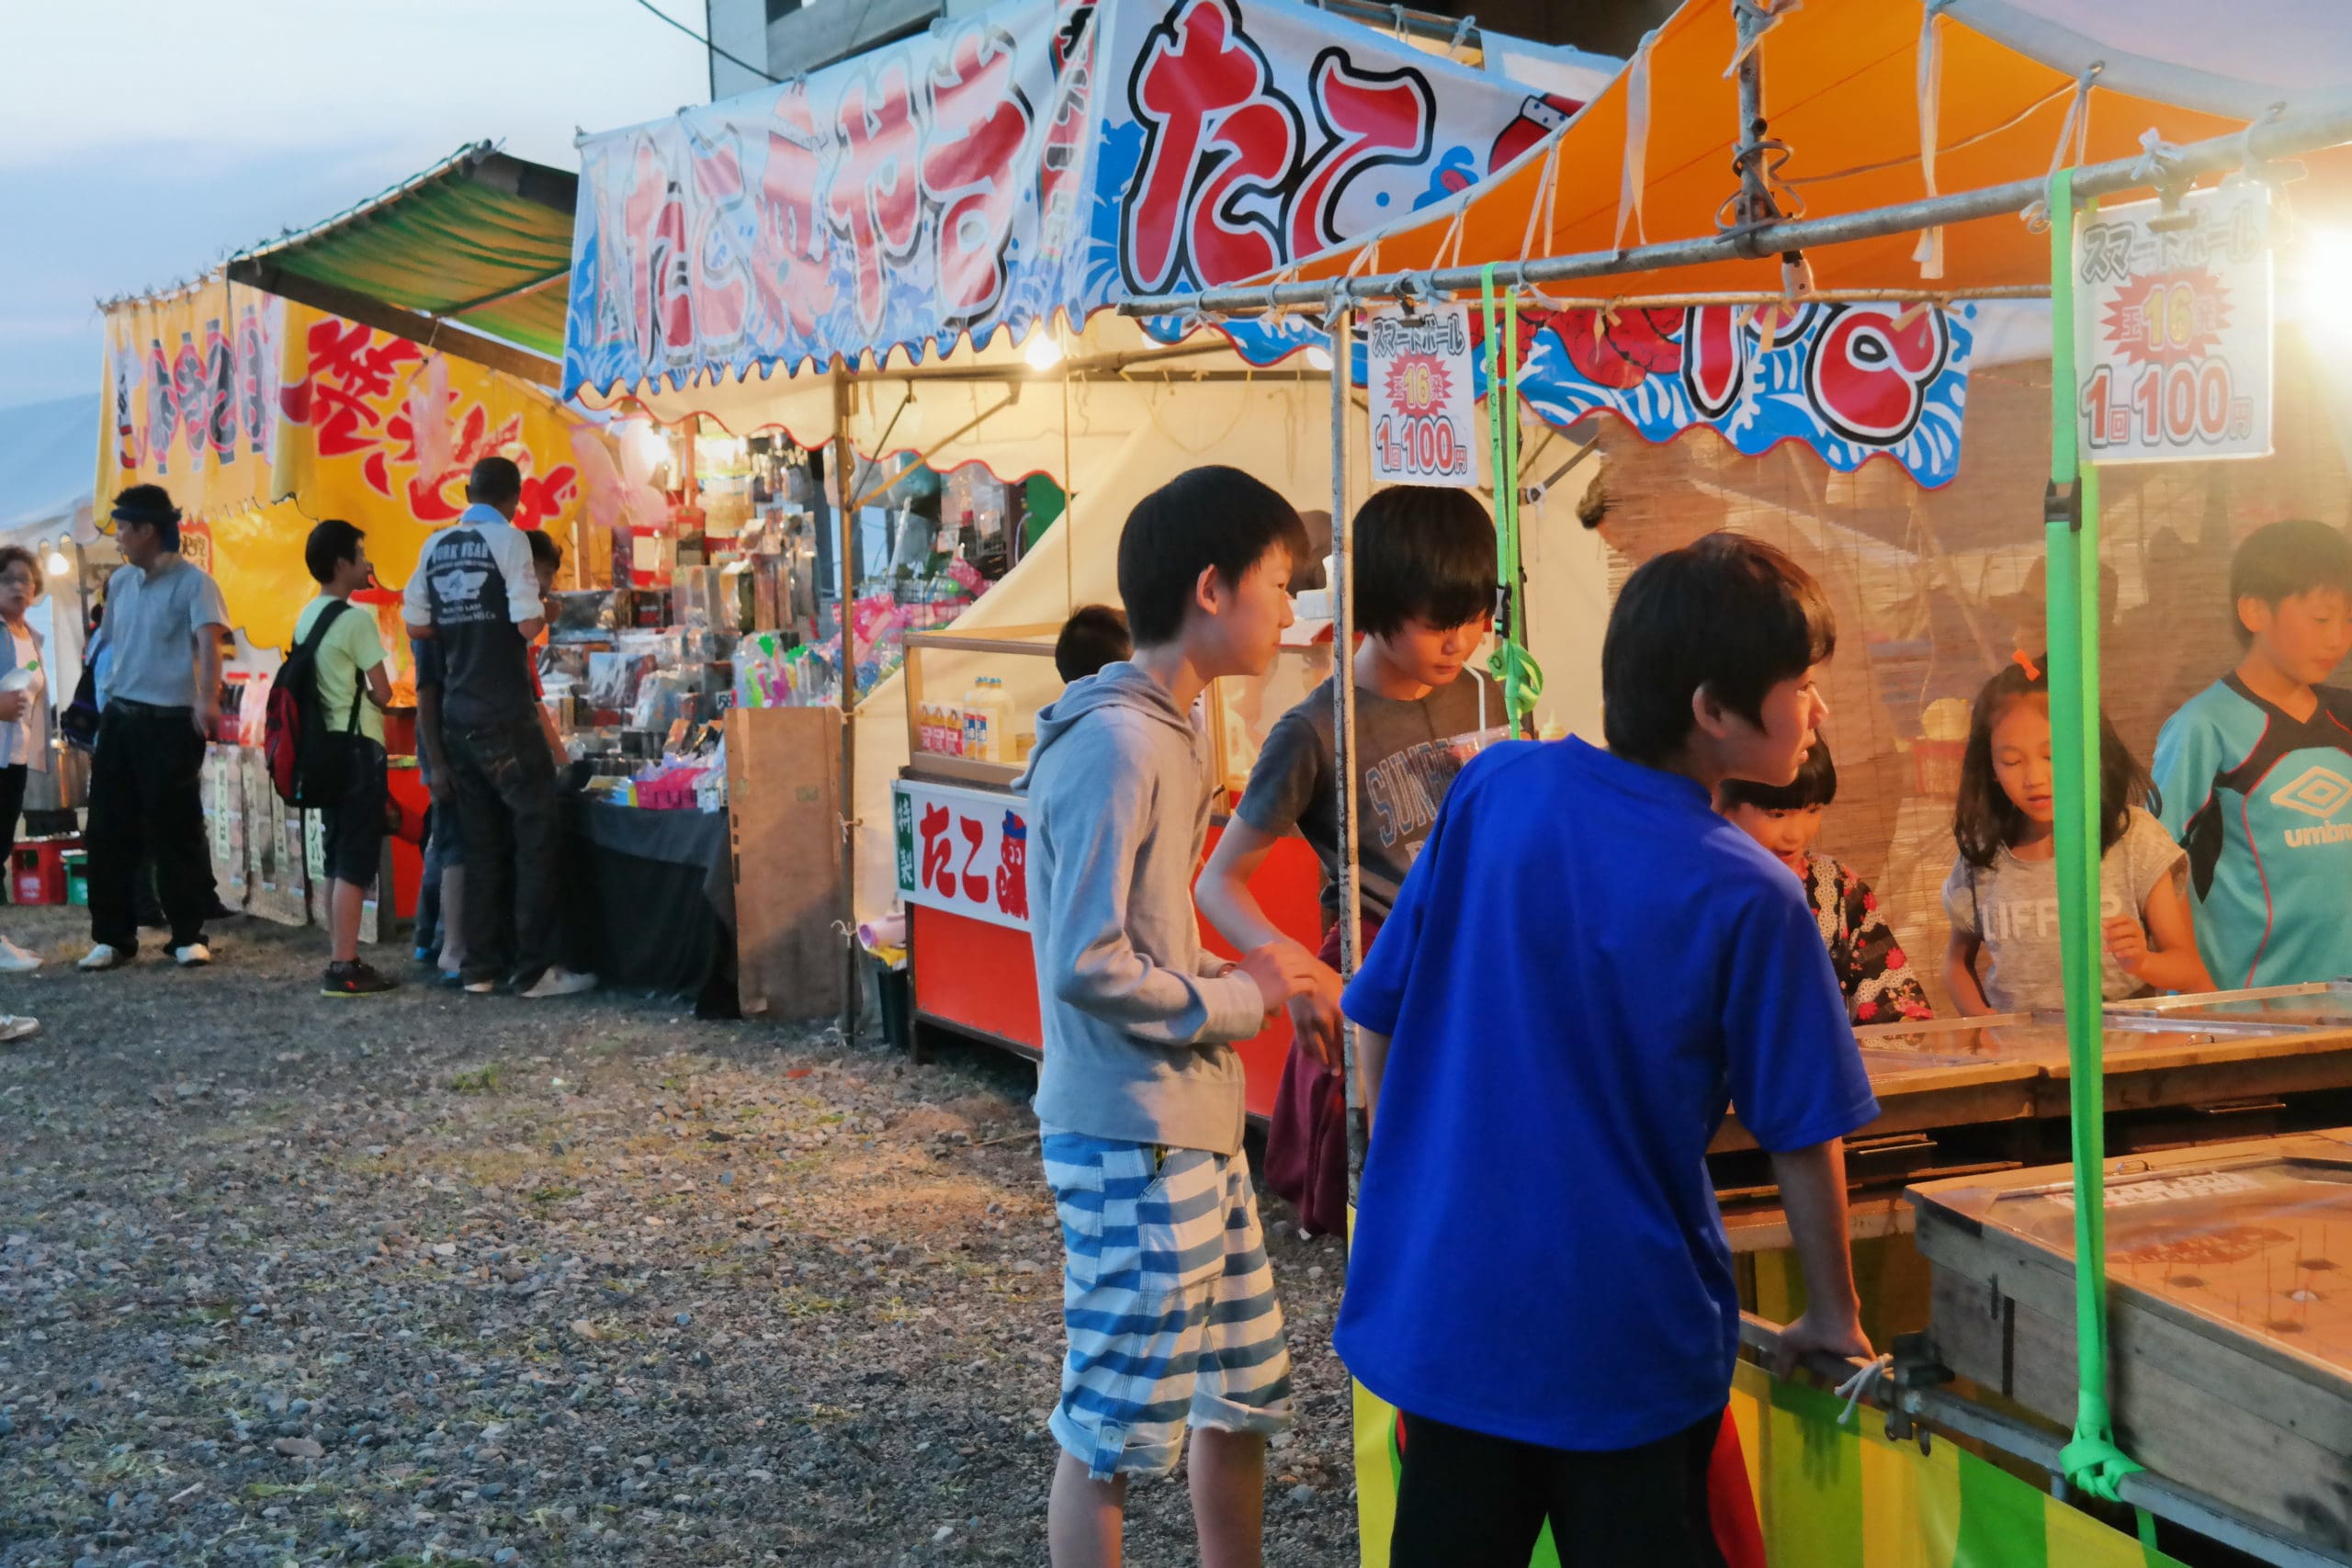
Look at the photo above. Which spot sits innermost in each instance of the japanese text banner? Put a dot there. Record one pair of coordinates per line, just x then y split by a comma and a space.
1040, 156
262, 417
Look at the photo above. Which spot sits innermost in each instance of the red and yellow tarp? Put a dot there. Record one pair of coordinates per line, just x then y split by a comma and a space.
262, 417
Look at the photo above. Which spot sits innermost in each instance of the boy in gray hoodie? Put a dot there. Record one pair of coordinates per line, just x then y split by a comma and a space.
1166, 1292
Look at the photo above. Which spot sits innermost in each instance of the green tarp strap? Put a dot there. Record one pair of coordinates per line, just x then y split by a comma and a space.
2092, 1462
1511, 664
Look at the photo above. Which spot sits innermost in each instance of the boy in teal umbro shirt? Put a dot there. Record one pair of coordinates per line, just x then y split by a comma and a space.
2255, 771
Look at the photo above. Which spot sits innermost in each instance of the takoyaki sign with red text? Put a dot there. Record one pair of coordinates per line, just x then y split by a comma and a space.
1424, 395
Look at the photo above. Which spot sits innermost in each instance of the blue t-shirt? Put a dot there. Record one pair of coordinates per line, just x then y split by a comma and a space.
2262, 801
1585, 965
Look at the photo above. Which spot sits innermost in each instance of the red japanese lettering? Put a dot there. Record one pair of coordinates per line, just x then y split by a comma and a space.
793, 263
1869, 371
1195, 68
1369, 118
937, 851
976, 884
1013, 869
873, 201
1224, 241
979, 122
718, 288
660, 284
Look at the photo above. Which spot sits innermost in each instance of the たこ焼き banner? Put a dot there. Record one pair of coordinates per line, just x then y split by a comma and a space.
1051, 155
262, 417
1041, 155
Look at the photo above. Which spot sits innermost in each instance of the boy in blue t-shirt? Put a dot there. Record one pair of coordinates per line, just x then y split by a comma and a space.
2254, 772
1584, 966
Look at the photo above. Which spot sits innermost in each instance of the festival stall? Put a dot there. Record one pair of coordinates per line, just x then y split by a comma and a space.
262, 417
1839, 125
911, 255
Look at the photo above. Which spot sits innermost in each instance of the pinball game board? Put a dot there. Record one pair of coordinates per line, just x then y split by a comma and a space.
2230, 1268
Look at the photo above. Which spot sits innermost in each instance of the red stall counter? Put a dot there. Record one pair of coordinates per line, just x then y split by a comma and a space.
962, 871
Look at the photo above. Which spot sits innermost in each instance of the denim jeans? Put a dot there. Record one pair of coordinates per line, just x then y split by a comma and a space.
503, 778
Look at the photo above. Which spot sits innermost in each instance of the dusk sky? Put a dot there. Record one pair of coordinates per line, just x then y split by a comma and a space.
141, 140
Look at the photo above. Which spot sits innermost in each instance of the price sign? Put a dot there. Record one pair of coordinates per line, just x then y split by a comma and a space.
2172, 328
1422, 397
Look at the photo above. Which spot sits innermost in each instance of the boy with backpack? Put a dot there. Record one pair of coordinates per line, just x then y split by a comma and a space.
344, 746
1584, 966
1167, 1297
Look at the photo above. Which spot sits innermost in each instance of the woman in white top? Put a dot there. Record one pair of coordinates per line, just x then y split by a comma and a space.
24, 729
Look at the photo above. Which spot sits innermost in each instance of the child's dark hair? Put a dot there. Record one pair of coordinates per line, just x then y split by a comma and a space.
1209, 517
2280, 561
1422, 552
331, 543
1095, 634
545, 551
1816, 785
1728, 614
1985, 818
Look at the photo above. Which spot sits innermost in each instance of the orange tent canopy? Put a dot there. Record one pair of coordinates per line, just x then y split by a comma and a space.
1842, 90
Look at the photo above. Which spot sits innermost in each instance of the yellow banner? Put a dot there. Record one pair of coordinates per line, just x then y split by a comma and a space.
301, 416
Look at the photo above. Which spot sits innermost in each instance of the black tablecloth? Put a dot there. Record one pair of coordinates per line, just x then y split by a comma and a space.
649, 901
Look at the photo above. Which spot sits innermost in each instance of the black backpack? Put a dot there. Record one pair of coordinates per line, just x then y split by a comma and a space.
309, 764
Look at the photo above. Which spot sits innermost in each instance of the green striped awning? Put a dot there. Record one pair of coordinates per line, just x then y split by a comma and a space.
473, 256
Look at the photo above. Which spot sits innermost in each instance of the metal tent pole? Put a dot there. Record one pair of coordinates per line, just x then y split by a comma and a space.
2286, 136
845, 486
1343, 727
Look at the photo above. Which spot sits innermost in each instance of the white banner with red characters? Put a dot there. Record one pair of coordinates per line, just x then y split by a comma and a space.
1040, 156
2172, 328
965, 851
1062, 155
1423, 392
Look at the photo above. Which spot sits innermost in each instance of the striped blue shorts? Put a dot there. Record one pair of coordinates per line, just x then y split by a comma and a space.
1169, 1303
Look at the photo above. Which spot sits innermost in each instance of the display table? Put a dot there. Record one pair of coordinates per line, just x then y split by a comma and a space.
648, 901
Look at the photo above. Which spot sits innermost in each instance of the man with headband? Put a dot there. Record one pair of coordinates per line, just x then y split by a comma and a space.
162, 700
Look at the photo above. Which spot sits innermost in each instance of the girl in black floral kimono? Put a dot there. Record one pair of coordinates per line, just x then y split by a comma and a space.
1871, 964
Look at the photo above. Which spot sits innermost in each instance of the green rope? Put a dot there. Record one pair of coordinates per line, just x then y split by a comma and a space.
2092, 1462
1510, 663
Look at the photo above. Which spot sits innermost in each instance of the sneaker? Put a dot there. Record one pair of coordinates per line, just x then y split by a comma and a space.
102, 956
478, 988
15, 960
13, 1027
424, 956
195, 955
357, 978
557, 981
449, 979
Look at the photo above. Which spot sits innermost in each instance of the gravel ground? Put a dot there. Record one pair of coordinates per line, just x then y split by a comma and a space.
288, 1279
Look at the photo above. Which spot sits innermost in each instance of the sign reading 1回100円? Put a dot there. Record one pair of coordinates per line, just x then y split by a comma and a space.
2172, 328
1422, 397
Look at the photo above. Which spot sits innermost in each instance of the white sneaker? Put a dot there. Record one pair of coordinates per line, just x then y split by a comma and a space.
195, 955
15, 1028
15, 960
557, 981
102, 956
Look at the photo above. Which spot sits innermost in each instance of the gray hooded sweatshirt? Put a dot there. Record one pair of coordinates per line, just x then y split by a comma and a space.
1136, 1017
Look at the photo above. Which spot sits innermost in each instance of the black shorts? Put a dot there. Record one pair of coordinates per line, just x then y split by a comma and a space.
1468, 1500
353, 826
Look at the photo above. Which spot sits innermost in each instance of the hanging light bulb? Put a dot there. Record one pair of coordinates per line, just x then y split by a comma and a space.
58, 565
1044, 351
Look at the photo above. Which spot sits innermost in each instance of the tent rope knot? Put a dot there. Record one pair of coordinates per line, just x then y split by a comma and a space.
1859, 1387
2073, 131
1462, 31
1760, 17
